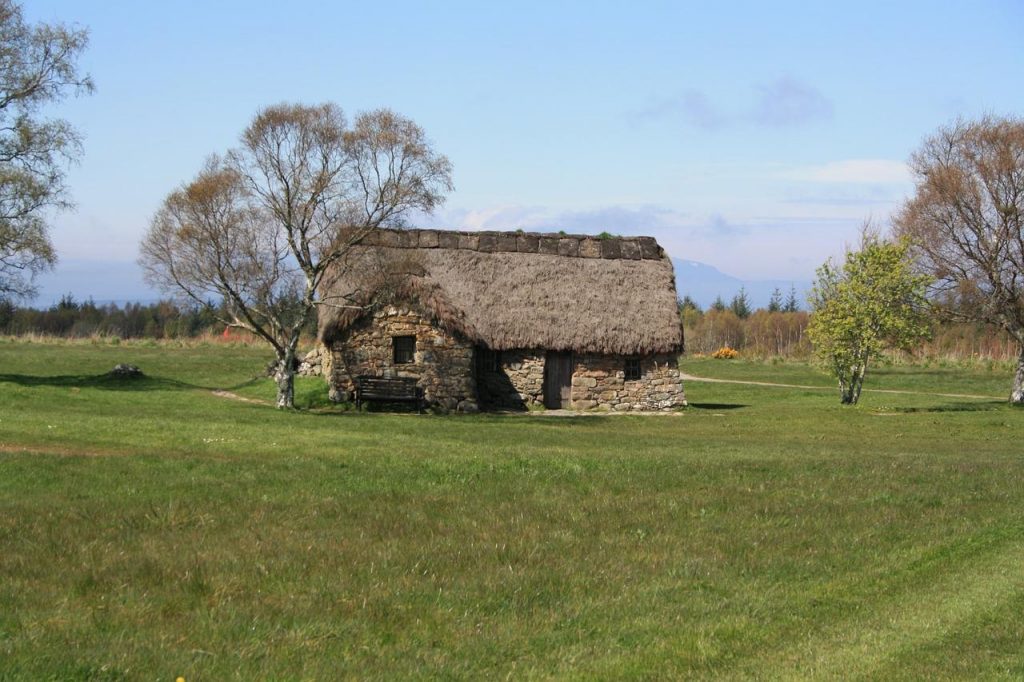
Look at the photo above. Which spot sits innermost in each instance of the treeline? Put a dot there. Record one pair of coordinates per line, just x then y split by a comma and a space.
69, 318
779, 331
775, 331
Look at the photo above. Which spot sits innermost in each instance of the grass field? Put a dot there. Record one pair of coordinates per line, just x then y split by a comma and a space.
150, 529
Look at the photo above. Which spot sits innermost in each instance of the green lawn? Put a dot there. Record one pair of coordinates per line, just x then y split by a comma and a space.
977, 378
150, 529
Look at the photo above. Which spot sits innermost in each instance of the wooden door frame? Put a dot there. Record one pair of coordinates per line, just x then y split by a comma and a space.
549, 377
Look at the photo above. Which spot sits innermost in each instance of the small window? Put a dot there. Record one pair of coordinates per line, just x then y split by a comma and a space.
488, 360
632, 369
405, 349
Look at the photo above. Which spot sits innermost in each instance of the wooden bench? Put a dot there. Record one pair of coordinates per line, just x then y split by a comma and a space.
386, 390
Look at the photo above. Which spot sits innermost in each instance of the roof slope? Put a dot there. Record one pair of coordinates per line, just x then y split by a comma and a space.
511, 290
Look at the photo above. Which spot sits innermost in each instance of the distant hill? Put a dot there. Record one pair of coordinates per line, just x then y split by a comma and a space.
703, 283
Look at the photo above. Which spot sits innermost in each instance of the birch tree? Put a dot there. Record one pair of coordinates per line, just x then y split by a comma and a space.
965, 224
38, 67
872, 301
261, 227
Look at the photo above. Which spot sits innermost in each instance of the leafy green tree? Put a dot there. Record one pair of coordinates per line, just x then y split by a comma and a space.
775, 302
37, 68
873, 301
719, 304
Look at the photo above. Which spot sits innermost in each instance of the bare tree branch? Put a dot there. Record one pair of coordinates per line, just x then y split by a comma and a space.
965, 223
262, 227
37, 68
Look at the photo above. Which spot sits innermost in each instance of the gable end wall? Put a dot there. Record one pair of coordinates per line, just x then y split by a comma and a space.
443, 363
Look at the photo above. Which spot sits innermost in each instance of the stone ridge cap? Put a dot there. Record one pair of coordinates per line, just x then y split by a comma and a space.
547, 243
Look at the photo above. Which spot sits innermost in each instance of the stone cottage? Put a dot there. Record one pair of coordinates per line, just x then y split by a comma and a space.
507, 320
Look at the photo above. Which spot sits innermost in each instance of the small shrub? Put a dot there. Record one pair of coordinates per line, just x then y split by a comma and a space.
725, 353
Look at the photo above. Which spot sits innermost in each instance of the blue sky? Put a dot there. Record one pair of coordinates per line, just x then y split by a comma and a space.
754, 137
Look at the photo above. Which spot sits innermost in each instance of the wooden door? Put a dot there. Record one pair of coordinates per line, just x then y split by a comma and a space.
557, 380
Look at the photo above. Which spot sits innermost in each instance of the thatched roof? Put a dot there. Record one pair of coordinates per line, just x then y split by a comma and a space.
509, 290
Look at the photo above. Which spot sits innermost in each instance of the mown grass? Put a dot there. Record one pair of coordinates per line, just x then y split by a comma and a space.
986, 378
150, 529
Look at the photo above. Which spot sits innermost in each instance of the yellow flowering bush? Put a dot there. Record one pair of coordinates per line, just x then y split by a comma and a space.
725, 353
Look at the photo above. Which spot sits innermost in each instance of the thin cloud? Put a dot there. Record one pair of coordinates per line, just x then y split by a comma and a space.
623, 220
861, 195
789, 103
615, 219
854, 171
719, 226
692, 107
751, 245
852, 182
783, 103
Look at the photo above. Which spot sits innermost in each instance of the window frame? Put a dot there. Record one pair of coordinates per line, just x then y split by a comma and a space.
632, 369
398, 354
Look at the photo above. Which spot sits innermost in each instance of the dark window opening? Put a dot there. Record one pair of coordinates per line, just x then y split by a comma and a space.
632, 369
488, 360
405, 349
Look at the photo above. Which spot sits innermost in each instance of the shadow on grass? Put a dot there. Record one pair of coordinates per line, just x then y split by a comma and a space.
717, 406
110, 383
976, 406
101, 381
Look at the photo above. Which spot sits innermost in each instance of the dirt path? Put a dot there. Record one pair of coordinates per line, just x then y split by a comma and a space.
234, 396
973, 396
60, 451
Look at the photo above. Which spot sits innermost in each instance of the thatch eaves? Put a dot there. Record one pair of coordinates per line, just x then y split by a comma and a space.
510, 290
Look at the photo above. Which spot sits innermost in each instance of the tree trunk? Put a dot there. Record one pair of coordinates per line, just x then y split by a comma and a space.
846, 389
1017, 394
285, 378
858, 381
849, 388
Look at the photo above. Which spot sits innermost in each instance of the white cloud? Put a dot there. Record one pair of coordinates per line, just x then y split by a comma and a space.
779, 241
857, 171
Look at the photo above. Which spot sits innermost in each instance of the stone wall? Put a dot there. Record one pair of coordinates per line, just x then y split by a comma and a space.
312, 364
446, 369
598, 381
442, 363
517, 385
